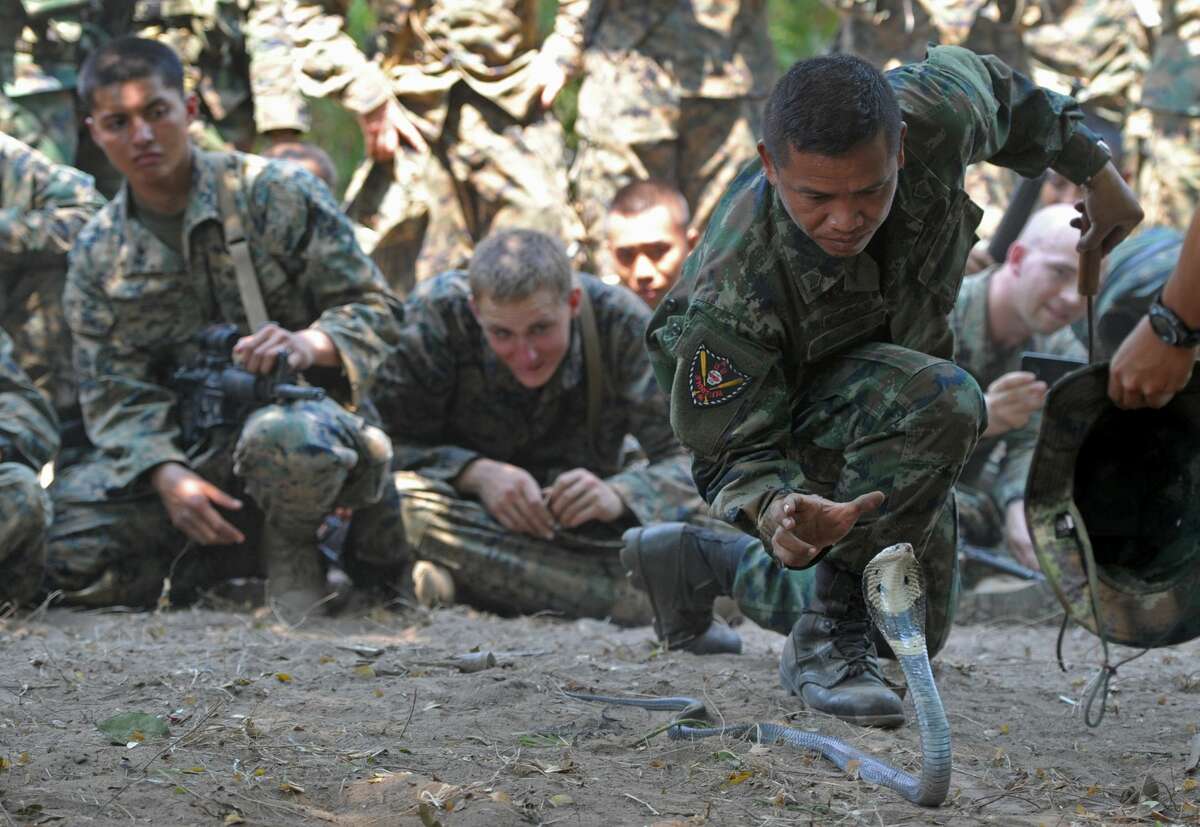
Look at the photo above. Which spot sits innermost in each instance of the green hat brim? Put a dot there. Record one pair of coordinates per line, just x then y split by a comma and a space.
1139, 605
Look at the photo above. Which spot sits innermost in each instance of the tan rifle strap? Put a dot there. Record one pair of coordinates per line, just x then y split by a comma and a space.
593, 366
239, 250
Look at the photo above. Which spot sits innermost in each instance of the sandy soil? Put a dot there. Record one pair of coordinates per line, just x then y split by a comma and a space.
275, 726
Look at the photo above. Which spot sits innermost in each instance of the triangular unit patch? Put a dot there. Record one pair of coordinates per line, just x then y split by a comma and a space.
714, 380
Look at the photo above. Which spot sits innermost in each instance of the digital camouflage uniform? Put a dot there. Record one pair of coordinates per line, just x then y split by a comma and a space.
447, 400
43, 205
671, 90
1169, 178
792, 370
134, 307
28, 440
237, 58
461, 71
995, 473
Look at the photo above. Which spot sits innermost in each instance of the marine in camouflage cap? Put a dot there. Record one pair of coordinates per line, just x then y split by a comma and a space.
151, 271
1111, 503
511, 479
28, 440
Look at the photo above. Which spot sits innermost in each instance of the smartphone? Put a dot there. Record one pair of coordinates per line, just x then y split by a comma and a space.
1047, 367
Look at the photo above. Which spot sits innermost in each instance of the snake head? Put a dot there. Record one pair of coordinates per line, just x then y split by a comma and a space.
894, 590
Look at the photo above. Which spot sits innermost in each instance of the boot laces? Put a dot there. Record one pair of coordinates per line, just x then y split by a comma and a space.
851, 640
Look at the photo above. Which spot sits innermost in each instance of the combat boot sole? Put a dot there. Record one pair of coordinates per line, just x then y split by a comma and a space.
654, 569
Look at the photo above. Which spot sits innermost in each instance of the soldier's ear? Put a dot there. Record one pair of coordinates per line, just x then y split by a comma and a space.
767, 164
900, 149
1015, 256
574, 300
693, 238
192, 105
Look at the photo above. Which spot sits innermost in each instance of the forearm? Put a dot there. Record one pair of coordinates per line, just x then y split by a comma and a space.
1181, 293
661, 491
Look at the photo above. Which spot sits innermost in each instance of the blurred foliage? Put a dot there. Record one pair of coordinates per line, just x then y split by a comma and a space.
799, 28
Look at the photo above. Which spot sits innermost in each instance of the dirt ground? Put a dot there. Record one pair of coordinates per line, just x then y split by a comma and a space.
367, 720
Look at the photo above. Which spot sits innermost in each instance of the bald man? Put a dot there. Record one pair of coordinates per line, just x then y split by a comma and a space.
1001, 312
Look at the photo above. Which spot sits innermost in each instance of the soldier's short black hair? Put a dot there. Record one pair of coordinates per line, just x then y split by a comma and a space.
127, 58
827, 106
648, 193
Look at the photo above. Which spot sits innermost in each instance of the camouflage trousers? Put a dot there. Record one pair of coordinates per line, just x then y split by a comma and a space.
1168, 179
708, 141
487, 171
24, 517
878, 417
577, 574
291, 465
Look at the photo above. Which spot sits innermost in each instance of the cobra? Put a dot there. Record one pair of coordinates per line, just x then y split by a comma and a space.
895, 596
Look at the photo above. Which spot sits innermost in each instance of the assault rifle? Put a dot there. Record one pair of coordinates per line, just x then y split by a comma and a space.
214, 392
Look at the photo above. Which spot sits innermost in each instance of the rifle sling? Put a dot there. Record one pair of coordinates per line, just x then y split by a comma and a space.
593, 366
239, 250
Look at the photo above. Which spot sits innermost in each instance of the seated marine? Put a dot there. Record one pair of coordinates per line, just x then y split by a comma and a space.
192, 482
28, 440
1000, 313
509, 400
647, 237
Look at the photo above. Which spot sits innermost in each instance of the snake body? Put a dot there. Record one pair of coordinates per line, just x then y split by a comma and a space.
896, 599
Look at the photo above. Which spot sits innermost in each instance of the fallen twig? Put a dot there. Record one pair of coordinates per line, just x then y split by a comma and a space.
643, 803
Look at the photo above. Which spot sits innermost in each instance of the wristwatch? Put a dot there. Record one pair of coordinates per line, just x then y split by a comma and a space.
1169, 327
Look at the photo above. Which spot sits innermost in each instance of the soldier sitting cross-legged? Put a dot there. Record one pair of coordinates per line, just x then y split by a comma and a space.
201, 469
509, 401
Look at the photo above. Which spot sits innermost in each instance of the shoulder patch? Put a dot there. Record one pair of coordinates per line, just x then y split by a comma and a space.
714, 380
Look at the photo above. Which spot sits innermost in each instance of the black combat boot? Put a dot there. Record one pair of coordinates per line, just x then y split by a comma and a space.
683, 569
829, 659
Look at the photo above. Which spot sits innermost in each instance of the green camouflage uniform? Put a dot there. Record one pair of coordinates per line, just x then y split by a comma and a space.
671, 90
134, 307
995, 473
1169, 178
793, 371
460, 69
43, 206
28, 440
447, 400
237, 58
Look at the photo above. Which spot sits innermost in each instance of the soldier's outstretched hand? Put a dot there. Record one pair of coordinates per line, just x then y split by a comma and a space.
191, 503
800, 526
1108, 212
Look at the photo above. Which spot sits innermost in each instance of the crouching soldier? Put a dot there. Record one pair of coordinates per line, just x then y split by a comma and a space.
202, 488
509, 402
28, 440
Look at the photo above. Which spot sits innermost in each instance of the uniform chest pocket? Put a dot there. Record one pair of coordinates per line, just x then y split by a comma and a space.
844, 320
154, 310
947, 238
